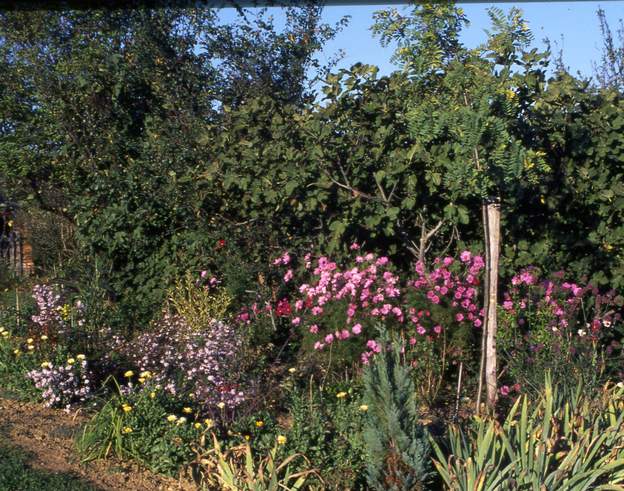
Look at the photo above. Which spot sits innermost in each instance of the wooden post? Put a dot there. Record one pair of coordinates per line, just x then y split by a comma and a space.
492, 270
486, 298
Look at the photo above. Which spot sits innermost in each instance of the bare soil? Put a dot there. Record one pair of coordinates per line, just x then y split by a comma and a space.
48, 436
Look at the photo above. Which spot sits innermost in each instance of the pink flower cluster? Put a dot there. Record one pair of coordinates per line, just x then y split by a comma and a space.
459, 291
369, 291
561, 305
49, 303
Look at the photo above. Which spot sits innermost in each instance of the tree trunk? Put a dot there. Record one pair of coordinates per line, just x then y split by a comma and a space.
490, 325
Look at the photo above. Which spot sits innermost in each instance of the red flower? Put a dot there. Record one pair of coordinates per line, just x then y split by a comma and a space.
220, 244
283, 308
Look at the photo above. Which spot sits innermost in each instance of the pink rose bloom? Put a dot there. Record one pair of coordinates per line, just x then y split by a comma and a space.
318, 345
477, 323
437, 329
314, 329
382, 261
351, 310
356, 329
412, 341
459, 317
299, 304
373, 346
465, 256
421, 330
355, 246
296, 321
329, 338
447, 261
288, 276
285, 258
507, 305
504, 390
344, 334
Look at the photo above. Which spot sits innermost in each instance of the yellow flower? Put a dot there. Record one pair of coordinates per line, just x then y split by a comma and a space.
281, 439
126, 430
363, 408
80, 357
30, 340
209, 423
145, 374
31, 347
17, 352
65, 311
171, 418
44, 338
45, 364
129, 374
181, 420
221, 405
542, 200
292, 370
259, 424
197, 425
126, 407
152, 395
341, 395
187, 410
71, 361
141, 380
6, 334
247, 437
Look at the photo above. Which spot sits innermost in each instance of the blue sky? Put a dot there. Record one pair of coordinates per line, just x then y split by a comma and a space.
571, 25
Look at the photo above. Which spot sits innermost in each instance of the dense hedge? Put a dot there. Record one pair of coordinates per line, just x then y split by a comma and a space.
117, 122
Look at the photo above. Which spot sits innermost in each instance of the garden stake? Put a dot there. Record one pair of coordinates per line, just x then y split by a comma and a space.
459, 381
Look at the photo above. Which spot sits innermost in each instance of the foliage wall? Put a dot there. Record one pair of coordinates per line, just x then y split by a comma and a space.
172, 142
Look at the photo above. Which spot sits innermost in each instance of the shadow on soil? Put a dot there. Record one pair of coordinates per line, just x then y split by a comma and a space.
17, 475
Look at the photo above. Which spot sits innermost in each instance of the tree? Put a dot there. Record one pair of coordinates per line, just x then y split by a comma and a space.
111, 117
467, 116
610, 71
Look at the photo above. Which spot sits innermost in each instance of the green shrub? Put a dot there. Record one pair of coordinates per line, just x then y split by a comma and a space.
143, 425
396, 442
325, 425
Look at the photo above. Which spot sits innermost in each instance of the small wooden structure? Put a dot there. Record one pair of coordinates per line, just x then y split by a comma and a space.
15, 251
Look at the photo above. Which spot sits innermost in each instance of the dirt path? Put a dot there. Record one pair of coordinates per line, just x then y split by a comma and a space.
47, 435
